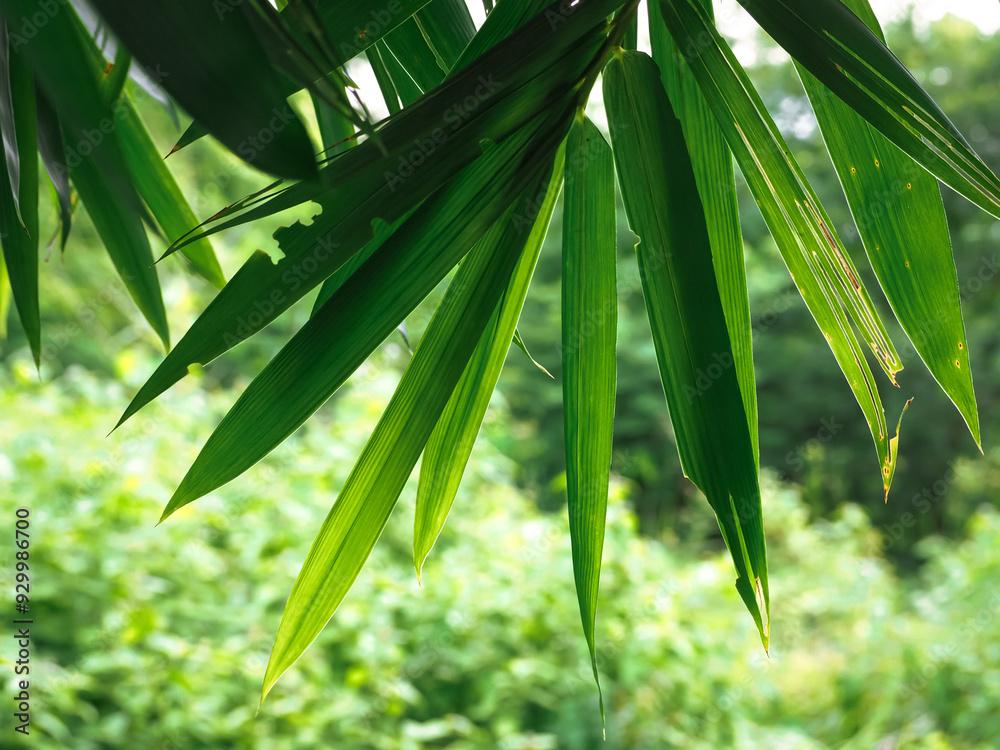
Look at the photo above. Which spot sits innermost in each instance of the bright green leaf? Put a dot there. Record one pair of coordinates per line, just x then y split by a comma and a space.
816, 259
356, 520
589, 333
898, 210
838, 48
450, 445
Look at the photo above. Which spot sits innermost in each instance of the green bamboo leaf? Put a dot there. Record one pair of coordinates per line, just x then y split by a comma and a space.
382, 77
349, 30
125, 241
160, 191
366, 309
294, 44
368, 182
411, 49
19, 213
504, 21
713, 171
382, 232
71, 78
5, 297
210, 56
191, 133
816, 259
686, 314
335, 130
519, 343
450, 445
50, 146
589, 332
403, 82
356, 520
504, 88
900, 216
115, 75
7, 127
836, 46
448, 28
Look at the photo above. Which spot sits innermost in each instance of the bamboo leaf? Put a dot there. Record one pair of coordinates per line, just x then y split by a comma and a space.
415, 55
160, 191
805, 236
50, 146
403, 82
382, 232
125, 241
836, 46
686, 314
448, 28
19, 212
210, 56
349, 29
450, 444
5, 298
7, 127
900, 216
366, 309
369, 183
519, 343
503, 22
62, 58
357, 518
713, 171
382, 77
589, 332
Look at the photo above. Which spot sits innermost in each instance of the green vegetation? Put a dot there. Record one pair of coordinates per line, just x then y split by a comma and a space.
157, 637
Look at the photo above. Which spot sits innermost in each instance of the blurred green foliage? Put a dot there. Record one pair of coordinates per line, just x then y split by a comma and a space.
157, 637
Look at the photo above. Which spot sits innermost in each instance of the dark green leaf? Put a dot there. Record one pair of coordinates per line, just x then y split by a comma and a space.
403, 82
407, 43
382, 77
50, 146
713, 170
448, 29
368, 183
70, 79
686, 314
160, 191
125, 240
212, 63
7, 120
19, 214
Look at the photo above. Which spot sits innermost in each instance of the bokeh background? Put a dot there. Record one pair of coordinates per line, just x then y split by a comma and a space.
885, 617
